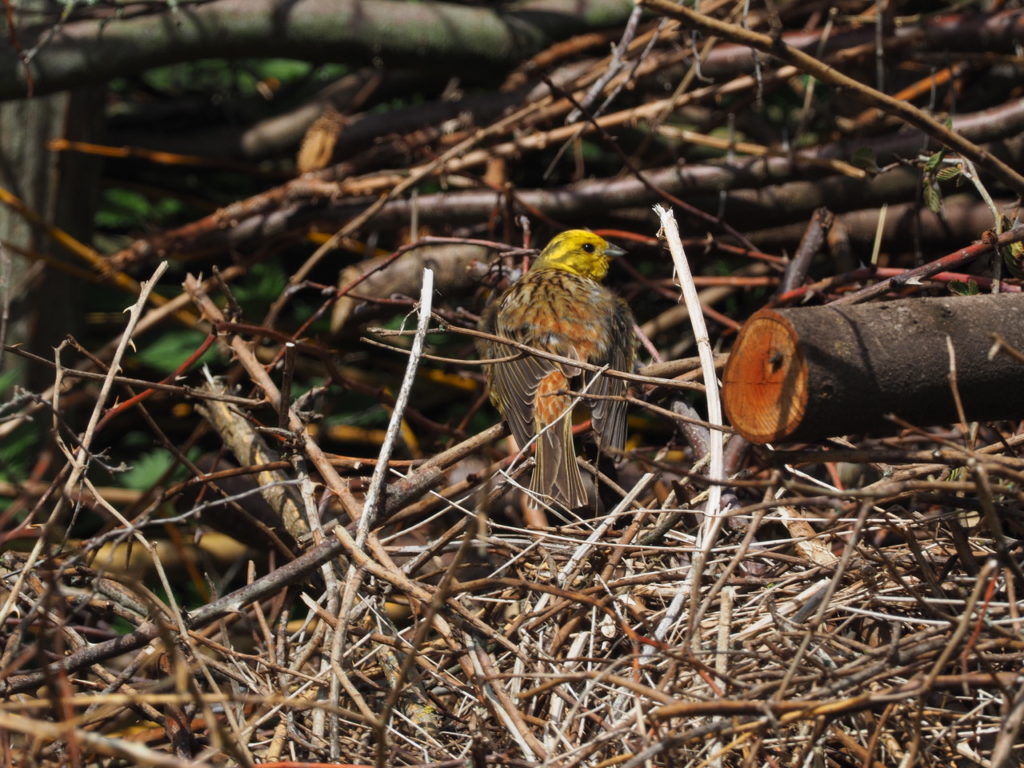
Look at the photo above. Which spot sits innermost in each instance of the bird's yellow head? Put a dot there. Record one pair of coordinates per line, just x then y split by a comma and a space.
580, 252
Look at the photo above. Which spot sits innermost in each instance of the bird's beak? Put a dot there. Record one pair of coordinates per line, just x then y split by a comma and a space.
614, 251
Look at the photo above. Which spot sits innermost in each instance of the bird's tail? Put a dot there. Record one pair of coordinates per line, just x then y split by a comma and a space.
556, 474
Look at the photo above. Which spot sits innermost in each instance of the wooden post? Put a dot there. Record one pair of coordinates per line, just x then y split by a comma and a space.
807, 373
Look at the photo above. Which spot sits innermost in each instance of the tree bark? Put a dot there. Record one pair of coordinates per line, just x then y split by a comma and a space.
352, 31
61, 188
807, 373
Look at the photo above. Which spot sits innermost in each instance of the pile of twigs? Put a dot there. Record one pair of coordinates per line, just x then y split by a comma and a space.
850, 603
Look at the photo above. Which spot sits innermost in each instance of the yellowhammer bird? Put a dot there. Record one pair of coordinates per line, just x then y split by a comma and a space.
560, 307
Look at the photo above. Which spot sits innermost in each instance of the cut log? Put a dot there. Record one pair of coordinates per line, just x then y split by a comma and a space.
807, 373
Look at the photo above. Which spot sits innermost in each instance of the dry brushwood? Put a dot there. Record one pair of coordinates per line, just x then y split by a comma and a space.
333, 566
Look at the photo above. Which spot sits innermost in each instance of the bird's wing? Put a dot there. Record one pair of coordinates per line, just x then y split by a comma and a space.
514, 389
609, 416
513, 382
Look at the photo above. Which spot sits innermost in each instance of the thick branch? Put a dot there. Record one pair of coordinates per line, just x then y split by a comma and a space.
353, 31
295, 205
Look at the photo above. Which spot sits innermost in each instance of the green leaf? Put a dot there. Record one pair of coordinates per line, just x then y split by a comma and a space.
170, 350
948, 172
282, 69
960, 288
17, 451
932, 197
10, 377
865, 158
1013, 257
934, 161
125, 208
261, 286
147, 470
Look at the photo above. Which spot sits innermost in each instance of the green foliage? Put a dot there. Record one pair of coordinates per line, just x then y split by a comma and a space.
245, 76
375, 415
1013, 257
934, 161
9, 378
122, 208
935, 172
17, 451
864, 158
261, 286
930, 181
959, 288
932, 195
147, 469
18, 448
166, 352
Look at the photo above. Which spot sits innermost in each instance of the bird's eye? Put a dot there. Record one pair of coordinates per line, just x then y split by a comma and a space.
588, 247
